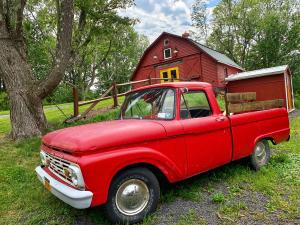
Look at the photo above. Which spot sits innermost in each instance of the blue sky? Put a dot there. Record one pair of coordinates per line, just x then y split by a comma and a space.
156, 16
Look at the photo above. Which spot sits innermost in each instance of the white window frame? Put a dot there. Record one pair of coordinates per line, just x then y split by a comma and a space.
165, 53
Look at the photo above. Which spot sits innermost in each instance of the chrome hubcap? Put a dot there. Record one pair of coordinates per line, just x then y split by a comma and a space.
260, 152
132, 197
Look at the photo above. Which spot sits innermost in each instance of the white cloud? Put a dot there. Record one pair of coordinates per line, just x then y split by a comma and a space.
157, 16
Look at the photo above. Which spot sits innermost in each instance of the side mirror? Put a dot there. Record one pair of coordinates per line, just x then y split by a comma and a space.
184, 90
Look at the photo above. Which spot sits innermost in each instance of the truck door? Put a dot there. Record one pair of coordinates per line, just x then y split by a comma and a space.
207, 136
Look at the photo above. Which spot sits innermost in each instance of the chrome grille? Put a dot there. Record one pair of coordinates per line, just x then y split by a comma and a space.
57, 166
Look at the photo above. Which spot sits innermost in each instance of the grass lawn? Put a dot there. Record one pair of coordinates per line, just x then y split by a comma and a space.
53, 114
25, 201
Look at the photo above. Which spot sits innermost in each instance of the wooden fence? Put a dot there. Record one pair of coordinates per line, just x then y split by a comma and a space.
113, 90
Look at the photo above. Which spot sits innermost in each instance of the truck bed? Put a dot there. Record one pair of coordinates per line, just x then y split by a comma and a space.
248, 128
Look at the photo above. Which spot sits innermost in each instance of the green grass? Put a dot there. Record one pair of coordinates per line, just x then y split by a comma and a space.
218, 197
191, 218
53, 114
24, 200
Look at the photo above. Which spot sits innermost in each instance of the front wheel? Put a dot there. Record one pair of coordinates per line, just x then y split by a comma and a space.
133, 194
260, 155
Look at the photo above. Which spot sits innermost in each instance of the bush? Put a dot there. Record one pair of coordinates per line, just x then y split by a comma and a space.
4, 102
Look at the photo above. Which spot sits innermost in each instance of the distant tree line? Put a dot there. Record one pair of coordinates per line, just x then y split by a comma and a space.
255, 33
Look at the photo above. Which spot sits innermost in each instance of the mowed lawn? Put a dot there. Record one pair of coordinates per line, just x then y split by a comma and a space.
25, 201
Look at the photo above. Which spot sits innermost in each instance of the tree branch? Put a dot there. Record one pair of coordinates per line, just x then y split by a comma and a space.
65, 15
19, 22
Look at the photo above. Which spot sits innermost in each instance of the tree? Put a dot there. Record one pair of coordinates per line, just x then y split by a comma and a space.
127, 48
258, 33
200, 19
26, 90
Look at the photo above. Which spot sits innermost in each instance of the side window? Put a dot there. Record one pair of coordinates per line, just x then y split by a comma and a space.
194, 104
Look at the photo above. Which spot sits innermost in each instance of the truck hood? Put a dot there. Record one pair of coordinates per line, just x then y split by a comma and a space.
104, 135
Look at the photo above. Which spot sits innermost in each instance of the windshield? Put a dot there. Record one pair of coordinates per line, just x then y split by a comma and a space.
154, 103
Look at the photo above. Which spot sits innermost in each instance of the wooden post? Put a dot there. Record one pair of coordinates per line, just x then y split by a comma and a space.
226, 102
75, 102
115, 94
150, 81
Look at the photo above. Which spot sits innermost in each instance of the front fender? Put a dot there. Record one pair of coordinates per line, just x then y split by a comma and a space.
100, 168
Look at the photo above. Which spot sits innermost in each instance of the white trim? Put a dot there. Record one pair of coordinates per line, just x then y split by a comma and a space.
285, 90
165, 53
73, 197
292, 90
292, 110
257, 73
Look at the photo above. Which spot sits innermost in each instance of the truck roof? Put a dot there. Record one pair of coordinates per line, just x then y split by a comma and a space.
194, 84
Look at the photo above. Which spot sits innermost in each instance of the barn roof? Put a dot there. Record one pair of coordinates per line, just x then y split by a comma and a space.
257, 73
217, 55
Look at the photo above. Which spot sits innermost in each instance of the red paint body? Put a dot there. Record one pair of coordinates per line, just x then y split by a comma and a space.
193, 64
178, 148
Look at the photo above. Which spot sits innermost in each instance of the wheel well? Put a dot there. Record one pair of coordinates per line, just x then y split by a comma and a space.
270, 139
162, 179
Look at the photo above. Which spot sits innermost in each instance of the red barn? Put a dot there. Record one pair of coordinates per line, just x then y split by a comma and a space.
268, 83
179, 57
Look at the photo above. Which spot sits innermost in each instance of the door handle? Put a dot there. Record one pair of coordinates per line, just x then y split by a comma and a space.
220, 119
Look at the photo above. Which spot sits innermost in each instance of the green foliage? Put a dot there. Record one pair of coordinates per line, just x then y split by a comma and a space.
62, 94
257, 33
99, 55
297, 100
4, 105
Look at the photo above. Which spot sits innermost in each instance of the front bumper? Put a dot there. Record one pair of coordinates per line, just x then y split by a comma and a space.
76, 198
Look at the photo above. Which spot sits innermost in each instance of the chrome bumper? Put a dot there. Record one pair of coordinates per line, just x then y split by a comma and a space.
76, 198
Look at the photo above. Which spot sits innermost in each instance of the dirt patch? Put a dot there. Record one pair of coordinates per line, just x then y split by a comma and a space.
294, 114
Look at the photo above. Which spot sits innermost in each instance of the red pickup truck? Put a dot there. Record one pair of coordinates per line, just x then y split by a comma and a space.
169, 132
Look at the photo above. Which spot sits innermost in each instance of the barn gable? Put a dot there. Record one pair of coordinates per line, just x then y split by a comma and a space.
173, 56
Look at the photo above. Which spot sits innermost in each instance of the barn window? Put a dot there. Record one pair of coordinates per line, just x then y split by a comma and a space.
174, 74
165, 76
167, 53
170, 74
166, 42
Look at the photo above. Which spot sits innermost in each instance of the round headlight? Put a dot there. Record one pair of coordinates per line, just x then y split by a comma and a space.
43, 158
76, 176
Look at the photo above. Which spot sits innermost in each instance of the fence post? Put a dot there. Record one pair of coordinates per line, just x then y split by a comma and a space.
115, 94
150, 81
75, 102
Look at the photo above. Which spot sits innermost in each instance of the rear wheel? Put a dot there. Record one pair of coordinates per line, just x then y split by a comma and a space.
260, 155
133, 194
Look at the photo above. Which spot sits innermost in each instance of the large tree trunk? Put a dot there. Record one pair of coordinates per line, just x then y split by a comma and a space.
27, 118
26, 111
25, 92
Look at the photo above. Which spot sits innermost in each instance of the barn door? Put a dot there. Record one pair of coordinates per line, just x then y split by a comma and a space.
170, 74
